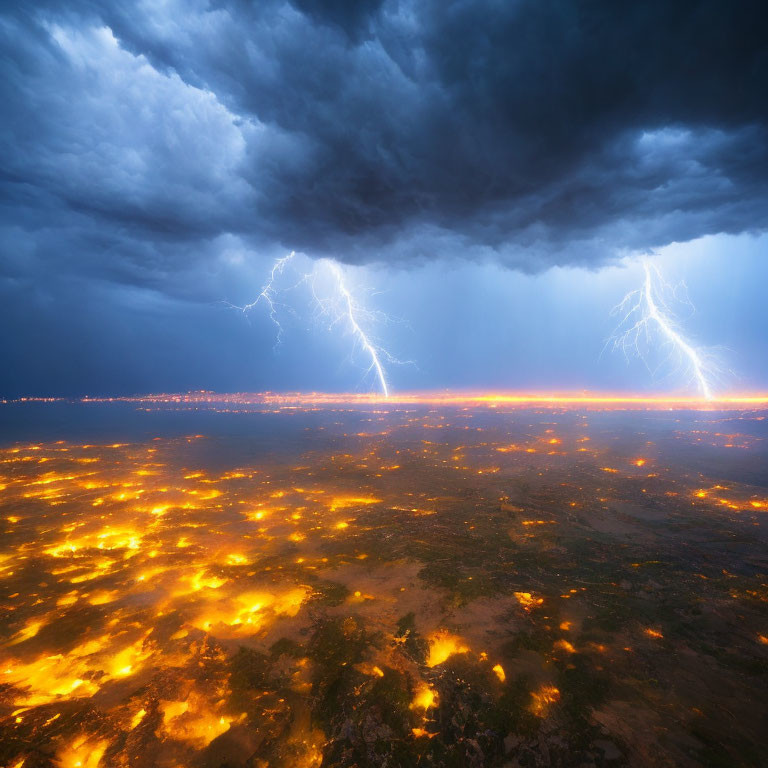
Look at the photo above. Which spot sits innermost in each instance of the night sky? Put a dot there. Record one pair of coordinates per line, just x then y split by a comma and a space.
489, 173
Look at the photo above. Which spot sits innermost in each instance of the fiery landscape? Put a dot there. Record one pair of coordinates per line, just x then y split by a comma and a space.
397, 585
383, 384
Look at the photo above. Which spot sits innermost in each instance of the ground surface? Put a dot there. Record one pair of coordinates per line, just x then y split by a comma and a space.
398, 586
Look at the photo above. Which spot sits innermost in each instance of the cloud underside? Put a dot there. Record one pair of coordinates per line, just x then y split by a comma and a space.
142, 141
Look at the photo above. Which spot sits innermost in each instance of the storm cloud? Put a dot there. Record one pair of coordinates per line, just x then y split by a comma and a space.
533, 133
152, 145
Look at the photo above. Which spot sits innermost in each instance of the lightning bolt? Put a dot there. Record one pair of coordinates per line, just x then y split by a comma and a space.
346, 309
646, 318
267, 295
341, 307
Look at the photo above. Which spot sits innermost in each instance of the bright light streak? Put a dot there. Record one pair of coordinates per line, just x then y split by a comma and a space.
674, 336
344, 308
648, 323
557, 400
341, 306
267, 295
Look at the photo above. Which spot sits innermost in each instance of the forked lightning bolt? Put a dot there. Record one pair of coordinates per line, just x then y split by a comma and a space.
350, 310
340, 306
267, 294
647, 323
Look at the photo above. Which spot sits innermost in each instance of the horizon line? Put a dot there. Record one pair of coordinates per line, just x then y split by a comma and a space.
488, 398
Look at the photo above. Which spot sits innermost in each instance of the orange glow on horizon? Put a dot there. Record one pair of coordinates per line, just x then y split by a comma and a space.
554, 399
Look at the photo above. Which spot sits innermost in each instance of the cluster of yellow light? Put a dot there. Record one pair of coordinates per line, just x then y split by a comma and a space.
564, 645
528, 601
543, 699
442, 645
425, 698
345, 502
84, 752
370, 669
193, 720
115, 528
715, 494
51, 677
244, 613
226, 553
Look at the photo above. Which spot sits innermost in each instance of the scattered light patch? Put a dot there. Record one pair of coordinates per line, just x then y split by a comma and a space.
442, 645
500, 673
425, 698
247, 612
29, 631
528, 601
194, 721
103, 597
201, 580
69, 599
543, 699
599, 647
367, 668
48, 679
137, 718
129, 660
82, 753
564, 645
344, 502
654, 633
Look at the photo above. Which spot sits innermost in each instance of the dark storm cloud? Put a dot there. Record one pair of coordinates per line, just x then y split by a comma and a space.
138, 136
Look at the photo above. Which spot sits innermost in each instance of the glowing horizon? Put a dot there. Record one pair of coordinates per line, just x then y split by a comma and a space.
427, 397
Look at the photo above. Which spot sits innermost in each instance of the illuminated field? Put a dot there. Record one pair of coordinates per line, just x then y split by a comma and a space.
433, 582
